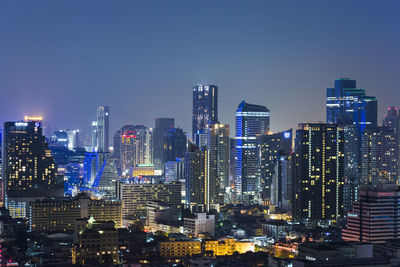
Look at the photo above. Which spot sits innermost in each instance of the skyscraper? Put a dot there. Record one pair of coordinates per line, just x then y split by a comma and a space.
29, 170
195, 178
375, 217
162, 126
251, 120
127, 150
347, 104
270, 147
219, 152
100, 130
205, 107
392, 120
318, 173
143, 145
174, 144
379, 155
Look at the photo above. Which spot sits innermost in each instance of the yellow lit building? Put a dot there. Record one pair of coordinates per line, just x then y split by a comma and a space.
96, 244
60, 215
179, 249
227, 246
143, 170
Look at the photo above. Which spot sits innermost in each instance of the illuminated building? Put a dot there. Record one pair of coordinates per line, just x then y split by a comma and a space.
379, 153
352, 163
174, 144
143, 170
143, 146
135, 148
218, 162
161, 127
347, 104
29, 170
270, 146
205, 108
196, 178
96, 244
222, 247
59, 138
59, 215
162, 217
392, 120
251, 120
227, 246
100, 130
73, 139
179, 249
174, 170
127, 150
200, 223
117, 149
136, 195
318, 173
282, 179
375, 216
100, 173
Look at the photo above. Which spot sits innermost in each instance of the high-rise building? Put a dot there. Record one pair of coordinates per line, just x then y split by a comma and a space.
174, 144
251, 120
117, 149
29, 170
347, 104
318, 173
375, 217
136, 195
73, 139
281, 186
352, 165
59, 138
174, 170
161, 127
392, 120
100, 173
205, 107
196, 178
218, 167
127, 150
379, 153
100, 130
143, 146
270, 146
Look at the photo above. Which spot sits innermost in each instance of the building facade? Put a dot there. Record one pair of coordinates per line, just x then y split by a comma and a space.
59, 215
205, 107
374, 218
318, 173
29, 170
251, 120
100, 130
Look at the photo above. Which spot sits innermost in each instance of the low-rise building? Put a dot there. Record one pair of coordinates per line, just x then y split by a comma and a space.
179, 249
227, 246
59, 215
200, 223
96, 244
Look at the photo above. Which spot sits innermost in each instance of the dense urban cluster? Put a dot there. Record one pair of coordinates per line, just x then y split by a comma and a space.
324, 194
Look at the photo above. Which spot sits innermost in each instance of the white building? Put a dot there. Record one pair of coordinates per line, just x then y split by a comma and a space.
201, 223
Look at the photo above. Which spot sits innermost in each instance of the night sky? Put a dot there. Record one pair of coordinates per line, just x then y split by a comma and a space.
61, 59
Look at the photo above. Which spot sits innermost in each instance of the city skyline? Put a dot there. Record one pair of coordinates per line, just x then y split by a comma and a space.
79, 66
